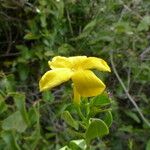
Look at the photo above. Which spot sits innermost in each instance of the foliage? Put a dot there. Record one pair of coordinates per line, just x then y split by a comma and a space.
34, 31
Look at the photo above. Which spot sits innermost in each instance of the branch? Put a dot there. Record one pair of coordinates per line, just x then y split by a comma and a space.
126, 91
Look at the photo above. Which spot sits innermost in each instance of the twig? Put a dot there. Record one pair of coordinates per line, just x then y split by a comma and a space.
9, 55
69, 21
144, 53
129, 9
126, 91
129, 79
9, 18
9, 38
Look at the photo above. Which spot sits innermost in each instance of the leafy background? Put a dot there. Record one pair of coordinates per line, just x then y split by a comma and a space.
32, 32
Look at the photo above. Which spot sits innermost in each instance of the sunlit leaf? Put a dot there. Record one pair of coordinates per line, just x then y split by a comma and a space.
31, 36
65, 148
69, 120
100, 100
3, 106
10, 140
47, 96
144, 24
148, 145
78, 144
20, 103
97, 128
108, 118
133, 116
14, 122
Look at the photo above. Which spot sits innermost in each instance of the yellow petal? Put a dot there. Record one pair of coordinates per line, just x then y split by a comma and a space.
77, 96
95, 63
77, 61
87, 83
54, 78
60, 62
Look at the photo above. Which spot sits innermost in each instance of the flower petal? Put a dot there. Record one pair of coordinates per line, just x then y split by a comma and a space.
54, 78
95, 63
87, 83
77, 61
60, 62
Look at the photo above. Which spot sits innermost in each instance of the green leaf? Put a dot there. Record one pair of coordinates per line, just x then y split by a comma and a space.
73, 133
123, 27
14, 122
23, 70
108, 118
9, 83
144, 24
47, 96
65, 49
148, 145
31, 36
32, 115
69, 120
60, 9
78, 144
90, 26
128, 129
3, 106
20, 103
97, 128
101, 100
65, 148
87, 30
10, 140
35, 137
133, 116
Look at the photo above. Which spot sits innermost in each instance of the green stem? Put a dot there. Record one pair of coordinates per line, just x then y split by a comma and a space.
80, 113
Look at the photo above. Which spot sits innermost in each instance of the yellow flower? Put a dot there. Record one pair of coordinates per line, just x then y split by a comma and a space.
76, 68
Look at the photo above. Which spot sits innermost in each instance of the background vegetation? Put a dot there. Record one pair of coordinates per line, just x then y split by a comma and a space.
32, 32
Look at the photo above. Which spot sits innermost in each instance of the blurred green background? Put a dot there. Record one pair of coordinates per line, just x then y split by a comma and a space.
34, 31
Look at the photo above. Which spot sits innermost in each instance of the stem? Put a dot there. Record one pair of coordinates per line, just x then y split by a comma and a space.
80, 113
126, 91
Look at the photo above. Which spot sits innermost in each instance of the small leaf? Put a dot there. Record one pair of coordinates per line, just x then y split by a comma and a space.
23, 70
148, 145
31, 36
35, 137
100, 100
97, 128
9, 83
144, 24
3, 106
47, 96
123, 27
108, 118
90, 26
87, 30
128, 129
133, 116
33, 117
73, 133
69, 120
65, 49
78, 144
60, 9
10, 140
20, 103
65, 148
14, 122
